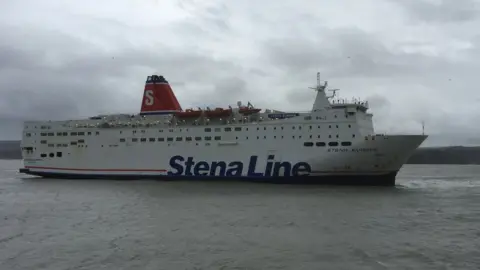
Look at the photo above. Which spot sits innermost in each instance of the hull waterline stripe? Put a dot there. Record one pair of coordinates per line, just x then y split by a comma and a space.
94, 170
160, 170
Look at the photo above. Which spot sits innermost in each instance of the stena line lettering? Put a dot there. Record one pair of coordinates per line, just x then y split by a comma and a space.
149, 97
189, 166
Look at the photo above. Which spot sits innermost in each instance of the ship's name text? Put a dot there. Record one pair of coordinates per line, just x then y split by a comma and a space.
188, 166
357, 150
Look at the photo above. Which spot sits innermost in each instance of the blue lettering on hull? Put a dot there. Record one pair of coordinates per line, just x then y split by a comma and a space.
189, 167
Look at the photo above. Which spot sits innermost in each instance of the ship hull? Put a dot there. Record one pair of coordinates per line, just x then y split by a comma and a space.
374, 179
370, 161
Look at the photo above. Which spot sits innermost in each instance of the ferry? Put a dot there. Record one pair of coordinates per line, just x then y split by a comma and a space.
333, 143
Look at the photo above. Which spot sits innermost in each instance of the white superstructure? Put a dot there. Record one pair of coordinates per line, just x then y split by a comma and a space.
334, 142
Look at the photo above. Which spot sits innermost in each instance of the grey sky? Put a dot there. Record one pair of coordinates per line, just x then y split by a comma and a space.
413, 60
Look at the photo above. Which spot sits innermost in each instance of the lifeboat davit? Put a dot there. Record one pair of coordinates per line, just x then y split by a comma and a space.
219, 112
189, 113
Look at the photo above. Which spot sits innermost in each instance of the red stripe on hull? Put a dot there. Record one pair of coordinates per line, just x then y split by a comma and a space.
94, 170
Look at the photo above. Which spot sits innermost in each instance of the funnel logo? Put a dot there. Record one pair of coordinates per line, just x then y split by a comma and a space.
149, 97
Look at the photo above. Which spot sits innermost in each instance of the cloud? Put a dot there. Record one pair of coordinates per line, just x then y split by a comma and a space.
414, 60
441, 11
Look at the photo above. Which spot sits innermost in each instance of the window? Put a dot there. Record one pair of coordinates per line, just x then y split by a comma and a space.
143, 139
81, 141
208, 129
43, 142
65, 133
43, 134
134, 140
51, 134
238, 129
73, 133
346, 143
43, 155
51, 155
188, 139
228, 129
151, 139
59, 154
218, 138
73, 143
208, 138
169, 139
333, 144
97, 133
59, 133
178, 139
198, 138
320, 144
122, 140
89, 133
161, 139
308, 144
81, 133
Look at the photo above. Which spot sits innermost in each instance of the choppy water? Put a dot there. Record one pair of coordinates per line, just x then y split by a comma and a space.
431, 220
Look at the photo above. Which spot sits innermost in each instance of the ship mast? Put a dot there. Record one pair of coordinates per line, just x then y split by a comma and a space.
321, 100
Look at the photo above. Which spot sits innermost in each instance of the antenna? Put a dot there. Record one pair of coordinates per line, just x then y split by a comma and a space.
334, 92
423, 127
319, 86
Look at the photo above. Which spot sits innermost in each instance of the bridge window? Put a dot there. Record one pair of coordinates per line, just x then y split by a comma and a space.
346, 143
321, 144
308, 144
333, 144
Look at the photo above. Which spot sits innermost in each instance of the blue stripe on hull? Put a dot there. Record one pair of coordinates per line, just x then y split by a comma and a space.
387, 179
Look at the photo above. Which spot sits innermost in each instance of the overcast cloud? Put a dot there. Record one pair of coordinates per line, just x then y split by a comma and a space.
413, 59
